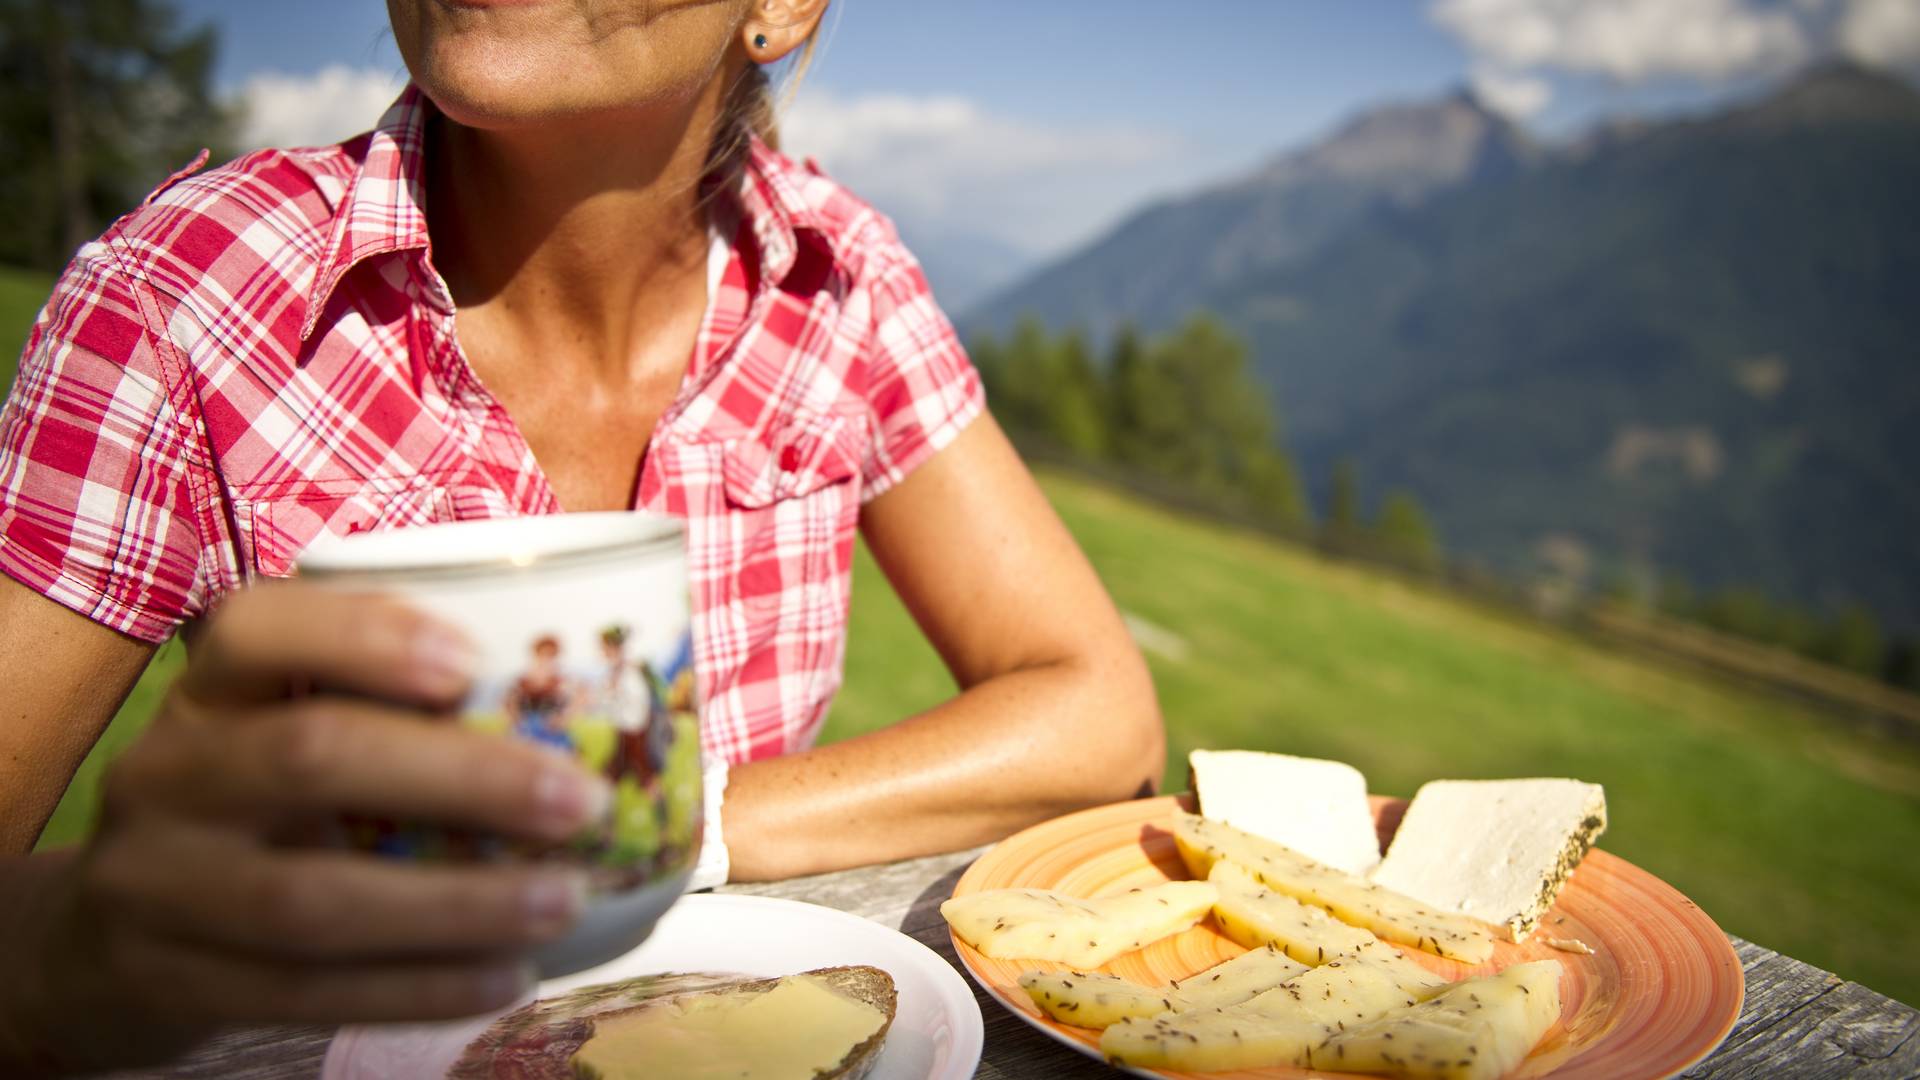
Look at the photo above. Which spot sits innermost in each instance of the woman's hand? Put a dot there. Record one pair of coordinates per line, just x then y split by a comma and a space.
190, 907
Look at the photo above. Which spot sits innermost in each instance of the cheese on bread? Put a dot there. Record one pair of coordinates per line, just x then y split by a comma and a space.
1497, 850
1318, 808
801, 1027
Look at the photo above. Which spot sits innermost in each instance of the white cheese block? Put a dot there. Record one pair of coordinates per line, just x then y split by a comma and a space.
1498, 850
1318, 808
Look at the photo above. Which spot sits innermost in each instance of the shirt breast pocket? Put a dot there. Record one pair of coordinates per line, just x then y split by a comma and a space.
794, 490
278, 528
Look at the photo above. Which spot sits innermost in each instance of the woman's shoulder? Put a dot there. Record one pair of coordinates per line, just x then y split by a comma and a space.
202, 226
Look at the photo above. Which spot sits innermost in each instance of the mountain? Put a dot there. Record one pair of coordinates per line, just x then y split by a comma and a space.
1171, 257
1684, 345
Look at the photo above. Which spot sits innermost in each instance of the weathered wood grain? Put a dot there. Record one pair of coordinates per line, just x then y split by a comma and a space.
1800, 1021
1797, 1021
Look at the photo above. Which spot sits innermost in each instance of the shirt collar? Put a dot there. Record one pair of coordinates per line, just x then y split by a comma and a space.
383, 209
776, 210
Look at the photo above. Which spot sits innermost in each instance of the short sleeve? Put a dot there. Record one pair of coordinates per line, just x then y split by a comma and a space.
922, 391
96, 505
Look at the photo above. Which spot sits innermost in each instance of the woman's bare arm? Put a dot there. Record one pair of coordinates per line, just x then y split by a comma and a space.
1057, 711
63, 678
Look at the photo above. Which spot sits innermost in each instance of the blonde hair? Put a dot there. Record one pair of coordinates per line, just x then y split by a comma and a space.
752, 110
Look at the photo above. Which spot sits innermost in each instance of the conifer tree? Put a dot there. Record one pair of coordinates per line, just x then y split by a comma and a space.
99, 101
1404, 534
1342, 529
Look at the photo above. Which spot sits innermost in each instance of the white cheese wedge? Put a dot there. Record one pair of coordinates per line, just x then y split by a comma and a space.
1498, 850
1316, 807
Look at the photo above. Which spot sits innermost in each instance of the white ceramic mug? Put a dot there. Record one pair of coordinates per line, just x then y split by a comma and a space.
583, 632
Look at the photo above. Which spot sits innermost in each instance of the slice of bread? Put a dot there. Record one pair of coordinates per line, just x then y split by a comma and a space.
875, 987
541, 1039
867, 985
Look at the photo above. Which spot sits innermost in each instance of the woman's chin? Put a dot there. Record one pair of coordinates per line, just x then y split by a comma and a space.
497, 102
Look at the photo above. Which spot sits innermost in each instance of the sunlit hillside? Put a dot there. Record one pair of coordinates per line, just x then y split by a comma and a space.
1784, 825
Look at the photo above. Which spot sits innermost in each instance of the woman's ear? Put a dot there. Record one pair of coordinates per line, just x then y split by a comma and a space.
775, 28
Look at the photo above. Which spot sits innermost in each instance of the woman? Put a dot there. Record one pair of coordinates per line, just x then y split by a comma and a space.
567, 271
539, 700
626, 702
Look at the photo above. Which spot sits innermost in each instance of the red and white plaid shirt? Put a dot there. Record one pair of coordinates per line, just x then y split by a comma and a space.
264, 351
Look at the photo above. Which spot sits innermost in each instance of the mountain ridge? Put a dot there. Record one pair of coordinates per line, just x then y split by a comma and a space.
1397, 154
1683, 345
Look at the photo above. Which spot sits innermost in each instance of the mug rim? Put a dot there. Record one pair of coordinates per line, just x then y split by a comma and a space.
413, 552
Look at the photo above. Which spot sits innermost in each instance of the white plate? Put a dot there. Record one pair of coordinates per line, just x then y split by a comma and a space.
936, 1030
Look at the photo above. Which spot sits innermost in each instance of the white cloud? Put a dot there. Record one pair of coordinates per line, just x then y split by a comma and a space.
1517, 95
1516, 44
1885, 33
329, 105
944, 159
1630, 40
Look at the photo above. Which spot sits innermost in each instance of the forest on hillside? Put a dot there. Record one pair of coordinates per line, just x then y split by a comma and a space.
1180, 417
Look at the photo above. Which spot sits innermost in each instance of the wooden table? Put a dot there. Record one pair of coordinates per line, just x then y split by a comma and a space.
1797, 1020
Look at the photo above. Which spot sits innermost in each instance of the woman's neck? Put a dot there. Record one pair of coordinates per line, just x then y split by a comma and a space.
570, 225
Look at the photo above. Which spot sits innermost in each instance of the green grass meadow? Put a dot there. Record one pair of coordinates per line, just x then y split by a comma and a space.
1787, 827
21, 294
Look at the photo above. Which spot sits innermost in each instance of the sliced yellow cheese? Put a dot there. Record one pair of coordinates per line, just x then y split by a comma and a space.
1274, 1028
1092, 999
1353, 900
1236, 980
1254, 915
1476, 1030
1034, 924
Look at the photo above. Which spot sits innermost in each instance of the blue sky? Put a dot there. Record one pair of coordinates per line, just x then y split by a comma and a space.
1035, 123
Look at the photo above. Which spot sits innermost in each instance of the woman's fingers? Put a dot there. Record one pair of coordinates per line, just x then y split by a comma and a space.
224, 987
325, 755
327, 906
277, 636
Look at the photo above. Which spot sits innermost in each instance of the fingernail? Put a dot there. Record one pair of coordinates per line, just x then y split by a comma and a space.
572, 797
553, 901
444, 658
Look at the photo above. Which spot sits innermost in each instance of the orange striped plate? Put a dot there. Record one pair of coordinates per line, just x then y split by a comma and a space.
1660, 992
